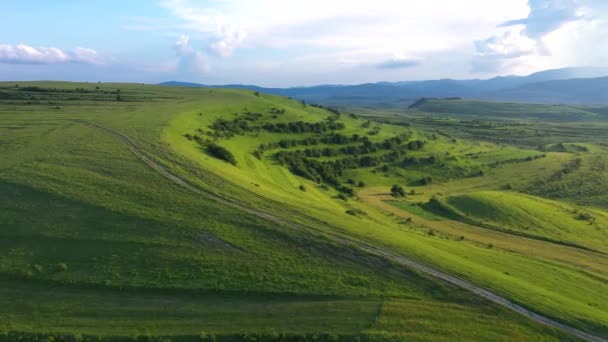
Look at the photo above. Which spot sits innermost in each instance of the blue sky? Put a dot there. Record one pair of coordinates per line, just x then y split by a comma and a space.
288, 43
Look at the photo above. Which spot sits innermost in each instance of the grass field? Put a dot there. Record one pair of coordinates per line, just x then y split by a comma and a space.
88, 219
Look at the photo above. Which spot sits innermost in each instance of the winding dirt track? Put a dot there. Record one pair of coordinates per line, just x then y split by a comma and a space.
477, 290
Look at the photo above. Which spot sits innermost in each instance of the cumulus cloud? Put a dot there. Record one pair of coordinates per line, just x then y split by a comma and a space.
229, 38
224, 37
540, 38
355, 37
498, 51
26, 54
547, 16
188, 59
384, 26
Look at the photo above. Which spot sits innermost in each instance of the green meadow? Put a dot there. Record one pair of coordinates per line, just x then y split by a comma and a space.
135, 211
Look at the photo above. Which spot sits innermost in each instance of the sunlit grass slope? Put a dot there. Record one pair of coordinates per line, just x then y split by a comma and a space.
532, 216
446, 160
86, 221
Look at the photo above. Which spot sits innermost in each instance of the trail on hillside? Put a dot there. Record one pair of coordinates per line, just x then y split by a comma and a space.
475, 289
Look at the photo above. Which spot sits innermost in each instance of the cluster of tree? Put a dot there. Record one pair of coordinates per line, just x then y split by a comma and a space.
55, 90
366, 148
395, 144
277, 111
398, 191
423, 100
516, 160
331, 139
335, 139
430, 160
572, 166
328, 171
223, 128
303, 127
329, 109
314, 170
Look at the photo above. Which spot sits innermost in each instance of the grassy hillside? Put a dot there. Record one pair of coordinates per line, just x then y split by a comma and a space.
583, 181
89, 221
532, 216
503, 110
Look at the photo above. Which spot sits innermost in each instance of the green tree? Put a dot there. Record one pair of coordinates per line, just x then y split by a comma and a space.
398, 191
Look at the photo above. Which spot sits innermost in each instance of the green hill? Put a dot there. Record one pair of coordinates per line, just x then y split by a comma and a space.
503, 110
137, 210
533, 216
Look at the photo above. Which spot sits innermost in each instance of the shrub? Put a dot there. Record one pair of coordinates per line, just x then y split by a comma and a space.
342, 197
332, 338
355, 212
426, 180
346, 190
397, 191
221, 153
258, 154
351, 212
206, 337
302, 188
361, 184
61, 267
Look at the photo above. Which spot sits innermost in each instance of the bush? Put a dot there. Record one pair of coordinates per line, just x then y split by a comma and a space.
426, 180
355, 212
397, 191
332, 338
221, 153
361, 184
302, 188
351, 212
61, 267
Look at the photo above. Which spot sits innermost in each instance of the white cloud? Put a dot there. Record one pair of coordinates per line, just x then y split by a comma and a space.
385, 26
188, 59
399, 61
25, 54
229, 38
555, 33
340, 37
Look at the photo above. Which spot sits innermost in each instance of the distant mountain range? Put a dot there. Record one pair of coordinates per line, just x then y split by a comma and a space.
587, 86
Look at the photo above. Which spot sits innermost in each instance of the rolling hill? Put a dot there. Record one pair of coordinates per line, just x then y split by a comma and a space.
559, 86
182, 213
